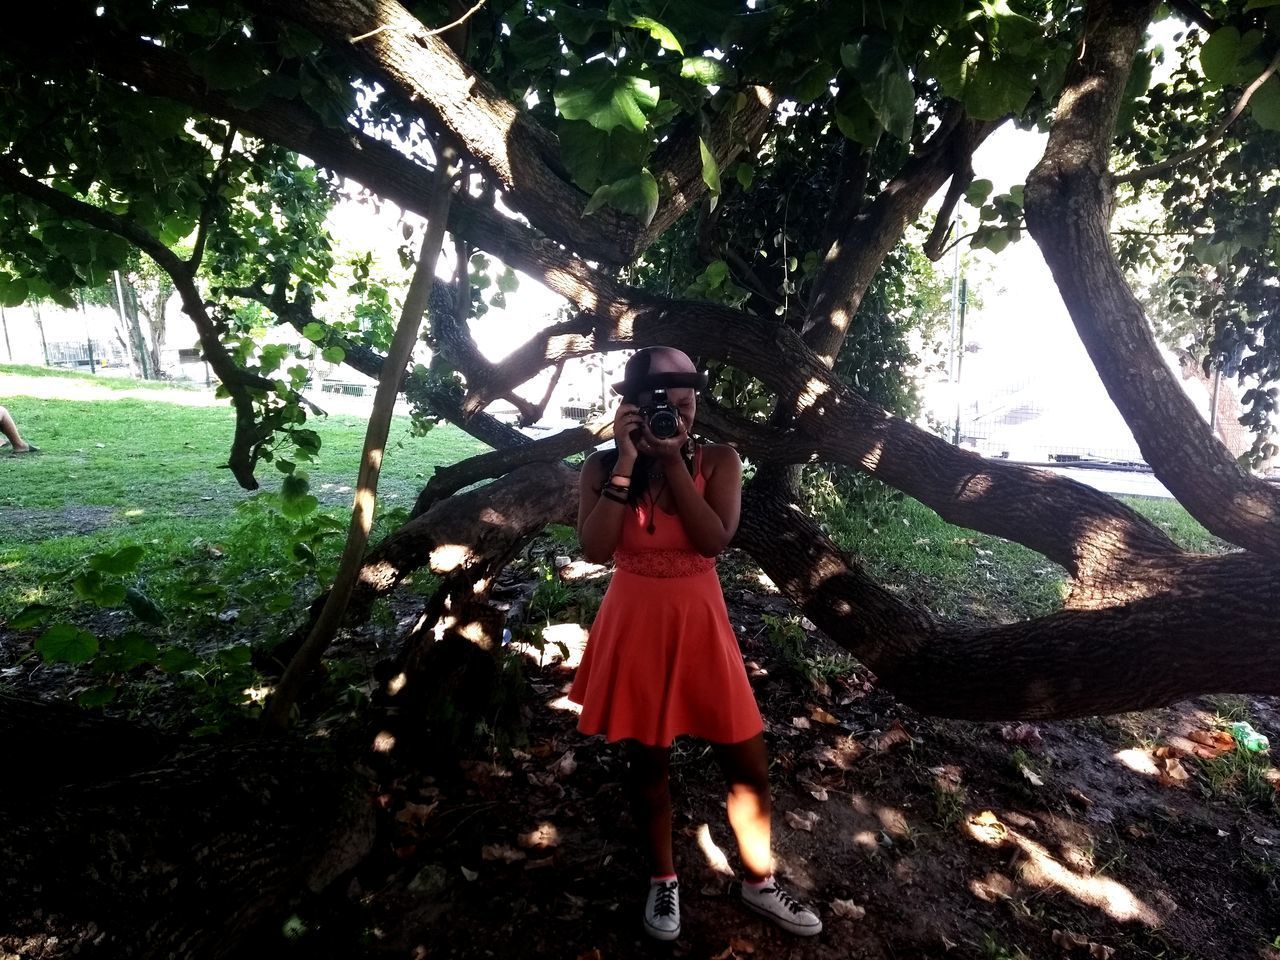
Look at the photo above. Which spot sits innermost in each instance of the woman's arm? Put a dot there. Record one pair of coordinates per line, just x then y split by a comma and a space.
710, 521
600, 518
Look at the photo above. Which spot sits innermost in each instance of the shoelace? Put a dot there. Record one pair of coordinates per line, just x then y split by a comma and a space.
786, 899
664, 905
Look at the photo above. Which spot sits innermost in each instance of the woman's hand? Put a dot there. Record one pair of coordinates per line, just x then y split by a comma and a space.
626, 422
667, 451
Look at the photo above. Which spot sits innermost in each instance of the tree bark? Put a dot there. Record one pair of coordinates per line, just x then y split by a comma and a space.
1121, 646
1068, 207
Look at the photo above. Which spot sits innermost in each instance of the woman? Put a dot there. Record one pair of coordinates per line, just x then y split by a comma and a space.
662, 659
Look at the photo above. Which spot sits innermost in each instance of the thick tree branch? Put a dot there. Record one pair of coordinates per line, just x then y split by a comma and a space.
1053, 667
239, 383
854, 258
1068, 204
447, 481
210, 205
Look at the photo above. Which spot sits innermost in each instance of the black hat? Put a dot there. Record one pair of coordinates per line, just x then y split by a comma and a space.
636, 376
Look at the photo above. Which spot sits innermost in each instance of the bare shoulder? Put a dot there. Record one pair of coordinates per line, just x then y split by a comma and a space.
716, 456
593, 468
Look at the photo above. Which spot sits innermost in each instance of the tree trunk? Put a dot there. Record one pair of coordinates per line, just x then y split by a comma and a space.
1118, 647
1068, 208
180, 857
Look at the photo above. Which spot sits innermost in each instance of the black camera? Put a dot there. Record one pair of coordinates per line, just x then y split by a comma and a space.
660, 415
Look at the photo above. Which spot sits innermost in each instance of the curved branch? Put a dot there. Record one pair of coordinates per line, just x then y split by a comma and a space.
239, 383
1156, 169
1068, 205
447, 481
1104, 656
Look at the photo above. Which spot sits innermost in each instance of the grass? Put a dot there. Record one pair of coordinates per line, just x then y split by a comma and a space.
105, 381
961, 573
119, 471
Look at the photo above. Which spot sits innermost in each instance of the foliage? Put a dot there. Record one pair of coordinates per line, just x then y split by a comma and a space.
1216, 225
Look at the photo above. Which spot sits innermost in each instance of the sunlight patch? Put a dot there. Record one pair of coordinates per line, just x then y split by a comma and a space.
716, 858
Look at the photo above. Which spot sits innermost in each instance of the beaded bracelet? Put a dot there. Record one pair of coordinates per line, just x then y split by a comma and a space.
617, 495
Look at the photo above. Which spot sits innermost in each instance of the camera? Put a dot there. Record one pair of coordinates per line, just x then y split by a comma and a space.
660, 415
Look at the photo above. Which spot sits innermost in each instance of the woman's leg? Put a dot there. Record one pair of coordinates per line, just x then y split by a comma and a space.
746, 770
10, 430
649, 785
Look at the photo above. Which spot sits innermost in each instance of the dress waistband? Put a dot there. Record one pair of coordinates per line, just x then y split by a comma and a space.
663, 564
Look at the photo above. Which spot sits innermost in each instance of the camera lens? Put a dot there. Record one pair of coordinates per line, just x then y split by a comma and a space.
663, 424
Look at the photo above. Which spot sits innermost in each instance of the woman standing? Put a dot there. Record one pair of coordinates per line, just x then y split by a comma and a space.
662, 659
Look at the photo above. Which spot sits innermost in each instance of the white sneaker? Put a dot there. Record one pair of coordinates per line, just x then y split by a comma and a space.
771, 901
662, 910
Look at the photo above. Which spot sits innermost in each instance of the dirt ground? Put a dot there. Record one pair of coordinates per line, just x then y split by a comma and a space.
914, 837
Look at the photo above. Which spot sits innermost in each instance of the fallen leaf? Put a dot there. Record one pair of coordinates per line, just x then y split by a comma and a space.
1167, 753
802, 821
1079, 798
1264, 842
847, 910
1033, 778
1172, 769
820, 715
469, 874
415, 813
1098, 952
820, 794
800, 723
565, 766
989, 827
500, 851
1069, 940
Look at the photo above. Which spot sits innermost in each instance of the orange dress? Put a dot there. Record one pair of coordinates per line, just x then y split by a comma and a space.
662, 659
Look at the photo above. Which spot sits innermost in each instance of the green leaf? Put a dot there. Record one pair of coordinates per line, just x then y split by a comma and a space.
129, 650
1227, 57
716, 273
96, 697
177, 660
125, 560
307, 440
13, 291
855, 119
637, 195
94, 586
333, 354
64, 643
708, 71
295, 485
604, 98
745, 174
231, 63
812, 82
508, 282
997, 87
884, 81
595, 157
710, 171
978, 191
660, 33
315, 332
143, 607
299, 507
31, 615
1265, 104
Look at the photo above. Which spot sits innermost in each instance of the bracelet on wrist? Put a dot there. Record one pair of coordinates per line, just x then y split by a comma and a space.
615, 478
615, 494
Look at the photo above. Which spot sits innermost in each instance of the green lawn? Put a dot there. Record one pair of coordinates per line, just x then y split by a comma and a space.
119, 471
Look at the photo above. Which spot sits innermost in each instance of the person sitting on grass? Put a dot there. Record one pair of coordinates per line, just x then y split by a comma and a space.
13, 437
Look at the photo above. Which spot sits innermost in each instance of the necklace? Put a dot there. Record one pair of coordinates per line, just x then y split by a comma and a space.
653, 505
